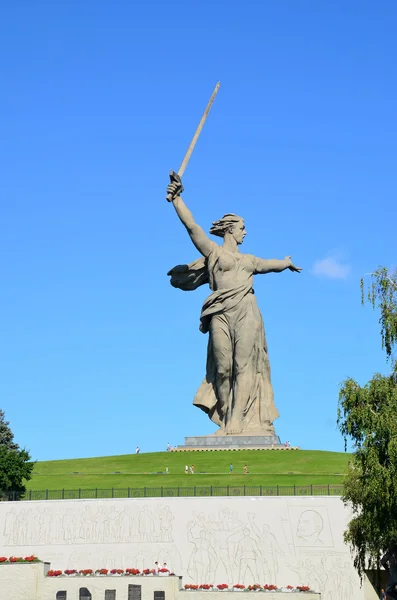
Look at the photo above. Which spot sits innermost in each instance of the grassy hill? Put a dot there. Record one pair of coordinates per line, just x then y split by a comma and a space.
300, 467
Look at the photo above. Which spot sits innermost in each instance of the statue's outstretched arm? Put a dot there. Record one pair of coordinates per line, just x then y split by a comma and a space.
273, 265
197, 234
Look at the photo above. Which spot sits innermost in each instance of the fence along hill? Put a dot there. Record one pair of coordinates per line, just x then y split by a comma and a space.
300, 472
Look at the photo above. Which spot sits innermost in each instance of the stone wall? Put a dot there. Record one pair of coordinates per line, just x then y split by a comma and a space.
280, 540
27, 582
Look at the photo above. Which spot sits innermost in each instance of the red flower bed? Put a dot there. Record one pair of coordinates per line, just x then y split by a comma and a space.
256, 586
188, 586
19, 559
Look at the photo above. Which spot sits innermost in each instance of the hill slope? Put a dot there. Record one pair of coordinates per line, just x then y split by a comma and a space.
300, 467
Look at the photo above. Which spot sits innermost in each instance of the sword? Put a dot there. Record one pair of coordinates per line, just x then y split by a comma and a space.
176, 177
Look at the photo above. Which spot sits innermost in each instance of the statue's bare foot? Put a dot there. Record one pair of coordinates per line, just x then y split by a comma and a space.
220, 431
233, 428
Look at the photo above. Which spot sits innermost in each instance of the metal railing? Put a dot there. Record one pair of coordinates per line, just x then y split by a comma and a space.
175, 492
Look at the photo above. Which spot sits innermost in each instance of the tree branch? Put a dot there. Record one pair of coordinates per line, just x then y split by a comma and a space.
387, 277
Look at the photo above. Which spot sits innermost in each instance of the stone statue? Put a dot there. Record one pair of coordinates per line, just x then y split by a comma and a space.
236, 393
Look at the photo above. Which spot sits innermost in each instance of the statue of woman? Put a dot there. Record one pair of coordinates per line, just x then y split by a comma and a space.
236, 393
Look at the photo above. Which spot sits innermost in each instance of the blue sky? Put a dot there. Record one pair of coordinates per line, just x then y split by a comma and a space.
99, 101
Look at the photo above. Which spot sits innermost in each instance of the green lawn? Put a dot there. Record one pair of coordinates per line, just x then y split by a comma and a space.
295, 467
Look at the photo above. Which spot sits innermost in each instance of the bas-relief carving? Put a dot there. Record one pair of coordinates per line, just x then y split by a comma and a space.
310, 526
207, 540
270, 550
98, 523
329, 572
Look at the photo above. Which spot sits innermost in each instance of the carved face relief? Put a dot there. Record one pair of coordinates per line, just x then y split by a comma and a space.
310, 523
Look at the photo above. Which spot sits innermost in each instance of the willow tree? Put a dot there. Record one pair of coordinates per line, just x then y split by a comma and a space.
367, 417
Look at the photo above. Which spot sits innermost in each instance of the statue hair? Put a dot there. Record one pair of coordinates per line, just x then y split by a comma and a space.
221, 227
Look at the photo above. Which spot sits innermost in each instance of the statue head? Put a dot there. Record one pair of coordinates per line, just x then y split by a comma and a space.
229, 224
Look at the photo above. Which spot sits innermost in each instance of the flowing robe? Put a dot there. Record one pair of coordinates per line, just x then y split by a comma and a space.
234, 316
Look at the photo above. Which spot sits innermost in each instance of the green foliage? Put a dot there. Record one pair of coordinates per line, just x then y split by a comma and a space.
367, 416
15, 469
15, 465
382, 294
6, 435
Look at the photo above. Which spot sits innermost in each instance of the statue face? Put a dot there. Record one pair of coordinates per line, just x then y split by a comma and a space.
238, 232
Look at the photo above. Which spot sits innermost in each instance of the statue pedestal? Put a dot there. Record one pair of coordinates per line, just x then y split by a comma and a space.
233, 442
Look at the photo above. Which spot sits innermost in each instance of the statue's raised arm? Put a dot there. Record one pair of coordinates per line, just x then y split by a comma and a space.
196, 233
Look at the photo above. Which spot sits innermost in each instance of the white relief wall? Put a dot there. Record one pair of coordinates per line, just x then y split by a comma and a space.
281, 540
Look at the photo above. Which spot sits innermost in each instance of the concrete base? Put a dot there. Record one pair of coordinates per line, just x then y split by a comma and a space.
231, 442
24, 581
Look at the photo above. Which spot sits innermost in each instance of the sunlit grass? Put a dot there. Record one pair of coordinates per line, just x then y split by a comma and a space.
299, 467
